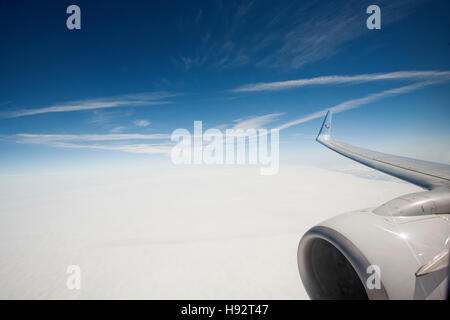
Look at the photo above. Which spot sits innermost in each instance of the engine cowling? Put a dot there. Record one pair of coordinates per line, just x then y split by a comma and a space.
364, 255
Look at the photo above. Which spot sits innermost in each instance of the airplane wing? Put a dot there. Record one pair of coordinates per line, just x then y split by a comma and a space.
428, 175
406, 238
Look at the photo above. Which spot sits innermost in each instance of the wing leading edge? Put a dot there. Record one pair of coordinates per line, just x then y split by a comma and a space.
428, 175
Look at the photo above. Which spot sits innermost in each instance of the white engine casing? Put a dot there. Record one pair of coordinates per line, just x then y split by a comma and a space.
398, 245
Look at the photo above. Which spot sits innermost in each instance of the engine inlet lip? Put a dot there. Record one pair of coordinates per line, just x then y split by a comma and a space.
358, 261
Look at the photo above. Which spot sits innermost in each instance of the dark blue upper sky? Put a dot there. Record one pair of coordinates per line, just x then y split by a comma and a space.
149, 67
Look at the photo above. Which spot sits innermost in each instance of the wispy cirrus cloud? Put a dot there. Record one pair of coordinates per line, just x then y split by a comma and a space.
112, 142
341, 79
129, 148
142, 123
117, 129
359, 102
126, 142
422, 79
320, 30
127, 100
261, 121
287, 35
89, 137
431, 78
256, 122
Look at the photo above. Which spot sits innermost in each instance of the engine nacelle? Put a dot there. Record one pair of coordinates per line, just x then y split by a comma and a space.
337, 258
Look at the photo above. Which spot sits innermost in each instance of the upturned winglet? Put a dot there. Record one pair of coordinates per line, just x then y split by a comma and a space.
325, 130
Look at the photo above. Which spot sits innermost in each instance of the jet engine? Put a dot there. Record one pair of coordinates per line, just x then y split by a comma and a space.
399, 250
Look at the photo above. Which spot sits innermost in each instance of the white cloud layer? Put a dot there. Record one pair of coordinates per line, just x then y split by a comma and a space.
169, 233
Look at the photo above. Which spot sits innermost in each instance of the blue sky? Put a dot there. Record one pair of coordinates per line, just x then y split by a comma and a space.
111, 92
